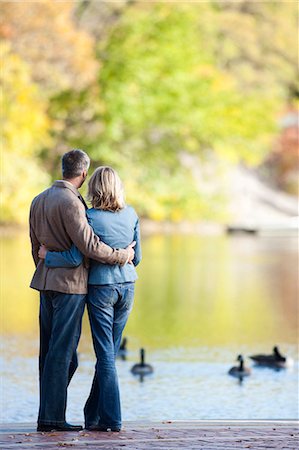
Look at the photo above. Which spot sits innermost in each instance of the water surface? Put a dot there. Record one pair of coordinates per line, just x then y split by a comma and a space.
200, 301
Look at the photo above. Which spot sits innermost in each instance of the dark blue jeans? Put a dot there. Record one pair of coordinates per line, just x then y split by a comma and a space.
60, 328
109, 307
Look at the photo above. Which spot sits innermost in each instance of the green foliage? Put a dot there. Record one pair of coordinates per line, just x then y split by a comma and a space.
255, 42
163, 94
24, 131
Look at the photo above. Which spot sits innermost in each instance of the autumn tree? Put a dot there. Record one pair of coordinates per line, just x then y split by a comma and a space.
254, 41
145, 87
60, 58
163, 94
44, 34
24, 131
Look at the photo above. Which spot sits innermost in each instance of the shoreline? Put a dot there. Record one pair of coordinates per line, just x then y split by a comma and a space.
200, 228
148, 227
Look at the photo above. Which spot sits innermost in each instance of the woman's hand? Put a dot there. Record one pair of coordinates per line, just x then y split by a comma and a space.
42, 252
131, 252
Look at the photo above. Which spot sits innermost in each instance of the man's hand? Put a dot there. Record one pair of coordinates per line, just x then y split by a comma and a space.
131, 252
42, 252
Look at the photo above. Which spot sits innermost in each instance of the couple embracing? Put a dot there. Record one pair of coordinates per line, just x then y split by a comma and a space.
82, 256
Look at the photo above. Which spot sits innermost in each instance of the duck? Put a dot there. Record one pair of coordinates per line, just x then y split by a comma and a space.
275, 360
123, 351
239, 371
142, 368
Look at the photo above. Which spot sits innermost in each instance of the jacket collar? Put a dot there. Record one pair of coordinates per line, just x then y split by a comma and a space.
71, 187
68, 185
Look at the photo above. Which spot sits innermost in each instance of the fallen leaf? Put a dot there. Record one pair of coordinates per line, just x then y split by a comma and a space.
65, 444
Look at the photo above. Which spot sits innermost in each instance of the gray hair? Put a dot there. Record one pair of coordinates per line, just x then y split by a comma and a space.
74, 163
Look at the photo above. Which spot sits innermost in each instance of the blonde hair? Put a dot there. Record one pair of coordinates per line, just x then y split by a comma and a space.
105, 190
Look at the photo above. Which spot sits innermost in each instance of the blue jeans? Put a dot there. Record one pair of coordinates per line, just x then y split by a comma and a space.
60, 328
109, 307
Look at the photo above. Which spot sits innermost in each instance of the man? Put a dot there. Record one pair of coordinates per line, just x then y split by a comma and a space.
57, 220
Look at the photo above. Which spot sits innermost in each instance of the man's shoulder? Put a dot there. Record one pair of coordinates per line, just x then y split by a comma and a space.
57, 196
40, 196
68, 202
64, 193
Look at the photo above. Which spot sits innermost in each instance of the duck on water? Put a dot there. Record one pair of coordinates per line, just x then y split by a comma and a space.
142, 369
123, 351
240, 371
276, 360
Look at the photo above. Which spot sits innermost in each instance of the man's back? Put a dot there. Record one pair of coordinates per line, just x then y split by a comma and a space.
50, 223
48, 216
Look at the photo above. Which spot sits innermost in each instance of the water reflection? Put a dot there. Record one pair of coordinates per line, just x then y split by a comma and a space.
191, 290
200, 301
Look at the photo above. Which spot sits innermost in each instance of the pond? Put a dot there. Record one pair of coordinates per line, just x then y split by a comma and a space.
200, 301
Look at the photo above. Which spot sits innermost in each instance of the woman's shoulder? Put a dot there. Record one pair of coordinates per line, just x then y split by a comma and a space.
90, 212
95, 215
128, 209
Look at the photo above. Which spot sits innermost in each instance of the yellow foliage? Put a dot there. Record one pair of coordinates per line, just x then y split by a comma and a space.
44, 35
24, 132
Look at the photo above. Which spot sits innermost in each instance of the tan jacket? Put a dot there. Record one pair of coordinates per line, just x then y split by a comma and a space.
57, 220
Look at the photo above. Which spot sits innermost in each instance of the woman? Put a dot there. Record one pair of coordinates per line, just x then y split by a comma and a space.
110, 292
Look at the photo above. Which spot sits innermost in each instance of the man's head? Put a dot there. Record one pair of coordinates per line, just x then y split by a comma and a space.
75, 165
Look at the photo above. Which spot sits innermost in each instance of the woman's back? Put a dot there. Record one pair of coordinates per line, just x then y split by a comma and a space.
117, 229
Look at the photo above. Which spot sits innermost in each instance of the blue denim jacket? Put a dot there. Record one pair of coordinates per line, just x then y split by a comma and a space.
117, 229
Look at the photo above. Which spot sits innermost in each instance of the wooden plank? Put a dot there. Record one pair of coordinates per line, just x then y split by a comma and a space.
168, 435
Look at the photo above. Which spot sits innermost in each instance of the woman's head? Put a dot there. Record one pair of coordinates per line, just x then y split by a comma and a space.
105, 190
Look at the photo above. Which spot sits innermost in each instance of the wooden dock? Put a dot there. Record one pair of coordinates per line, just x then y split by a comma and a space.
168, 435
